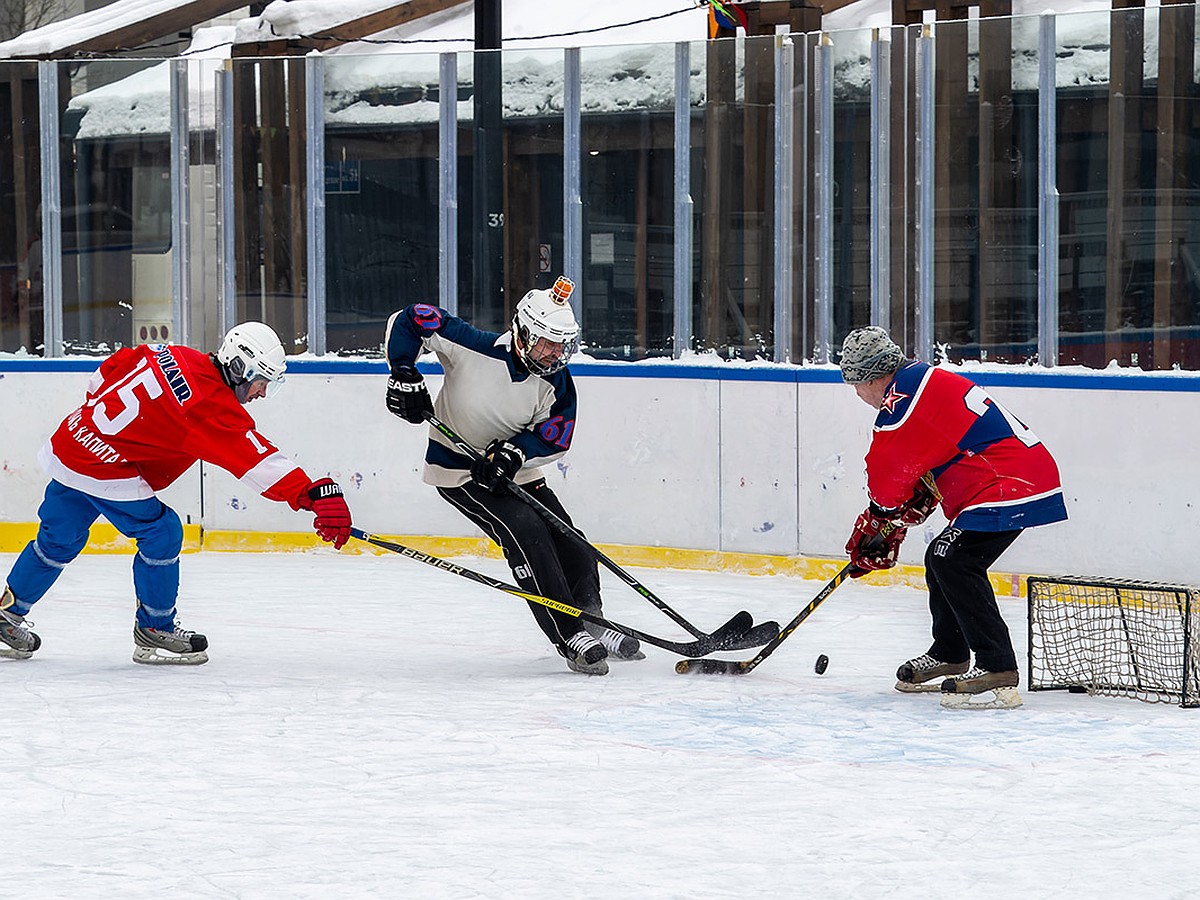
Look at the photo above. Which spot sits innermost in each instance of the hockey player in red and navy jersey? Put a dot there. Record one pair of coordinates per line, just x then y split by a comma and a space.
149, 414
940, 438
512, 395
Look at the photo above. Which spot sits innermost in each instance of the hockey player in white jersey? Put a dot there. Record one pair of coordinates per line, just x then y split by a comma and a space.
511, 395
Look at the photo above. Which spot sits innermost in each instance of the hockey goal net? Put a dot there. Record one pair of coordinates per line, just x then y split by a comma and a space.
1115, 637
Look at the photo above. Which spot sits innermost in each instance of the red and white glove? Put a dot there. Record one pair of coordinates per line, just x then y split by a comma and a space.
332, 524
918, 507
875, 542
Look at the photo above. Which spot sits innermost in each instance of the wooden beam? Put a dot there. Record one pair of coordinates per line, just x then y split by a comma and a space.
170, 21
348, 31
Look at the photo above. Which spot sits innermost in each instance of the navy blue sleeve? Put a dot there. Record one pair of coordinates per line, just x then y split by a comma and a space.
553, 436
411, 325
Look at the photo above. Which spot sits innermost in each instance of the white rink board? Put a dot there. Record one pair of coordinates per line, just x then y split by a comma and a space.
692, 459
759, 472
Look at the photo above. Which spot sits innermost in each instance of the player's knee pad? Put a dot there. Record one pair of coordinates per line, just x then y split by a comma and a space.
161, 540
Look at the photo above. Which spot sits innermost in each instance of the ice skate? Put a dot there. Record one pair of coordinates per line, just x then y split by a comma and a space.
925, 673
16, 640
177, 647
619, 646
981, 689
585, 654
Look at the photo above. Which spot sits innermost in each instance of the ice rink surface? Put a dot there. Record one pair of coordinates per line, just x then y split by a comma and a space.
372, 727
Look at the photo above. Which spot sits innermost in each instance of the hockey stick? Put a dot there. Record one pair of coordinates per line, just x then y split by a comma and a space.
754, 637
744, 667
723, 638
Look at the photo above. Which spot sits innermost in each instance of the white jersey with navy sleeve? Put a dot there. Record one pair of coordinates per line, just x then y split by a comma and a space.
485, 396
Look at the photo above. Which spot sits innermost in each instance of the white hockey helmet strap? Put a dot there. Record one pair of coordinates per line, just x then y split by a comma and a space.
253, 350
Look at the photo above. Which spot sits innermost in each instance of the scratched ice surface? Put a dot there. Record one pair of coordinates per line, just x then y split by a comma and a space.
372, 727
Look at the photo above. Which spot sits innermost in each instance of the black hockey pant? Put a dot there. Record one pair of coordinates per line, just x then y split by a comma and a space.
543, 560
965, 614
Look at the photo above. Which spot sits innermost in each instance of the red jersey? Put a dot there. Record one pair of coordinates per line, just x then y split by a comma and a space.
992, 472
150, 413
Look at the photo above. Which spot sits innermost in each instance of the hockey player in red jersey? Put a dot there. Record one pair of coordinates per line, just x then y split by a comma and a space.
940, 438
149, 414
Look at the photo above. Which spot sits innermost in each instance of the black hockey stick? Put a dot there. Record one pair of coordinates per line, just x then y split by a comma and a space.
744, 667
754, 638
728, 636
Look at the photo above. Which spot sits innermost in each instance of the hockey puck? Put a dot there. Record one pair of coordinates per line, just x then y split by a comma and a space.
1077, 689
821, 665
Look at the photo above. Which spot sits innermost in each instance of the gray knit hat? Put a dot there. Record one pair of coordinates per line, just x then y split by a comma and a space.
868, 353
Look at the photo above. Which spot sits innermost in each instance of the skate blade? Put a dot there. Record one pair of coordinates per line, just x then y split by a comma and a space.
596, 668
158, 657
10, 653
1000, 698
927, 687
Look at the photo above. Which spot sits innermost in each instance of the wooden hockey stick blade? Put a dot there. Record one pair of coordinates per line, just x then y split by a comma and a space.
710, 667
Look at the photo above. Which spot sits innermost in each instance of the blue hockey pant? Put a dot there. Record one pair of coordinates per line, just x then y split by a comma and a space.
64, 518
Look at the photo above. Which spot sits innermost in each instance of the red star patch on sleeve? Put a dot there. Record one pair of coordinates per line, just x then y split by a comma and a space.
892, 399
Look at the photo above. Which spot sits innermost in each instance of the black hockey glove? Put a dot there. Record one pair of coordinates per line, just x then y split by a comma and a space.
407, 396
499, 463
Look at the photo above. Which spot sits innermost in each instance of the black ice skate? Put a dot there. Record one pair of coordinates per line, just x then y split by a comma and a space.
585, 654
177, 647
16, 640
619, 646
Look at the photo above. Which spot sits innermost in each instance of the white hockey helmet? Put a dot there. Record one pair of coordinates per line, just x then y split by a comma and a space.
251, 351
545, 333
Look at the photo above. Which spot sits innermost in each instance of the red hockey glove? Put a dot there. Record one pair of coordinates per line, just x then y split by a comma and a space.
333, 515
499, 463
875, 541
919, 507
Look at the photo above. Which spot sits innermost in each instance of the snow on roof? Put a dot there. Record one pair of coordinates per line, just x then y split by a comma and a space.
524, 23
140, 104
374, 84
56, 36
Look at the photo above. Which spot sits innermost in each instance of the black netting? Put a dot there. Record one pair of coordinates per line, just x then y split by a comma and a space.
1115, 637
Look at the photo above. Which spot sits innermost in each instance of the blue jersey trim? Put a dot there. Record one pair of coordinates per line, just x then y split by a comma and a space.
1042, 511
438, 455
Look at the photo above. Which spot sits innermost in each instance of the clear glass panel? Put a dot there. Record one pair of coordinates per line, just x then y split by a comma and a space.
525, 249
269, 196
1129, 176
985, 245
628, 101
851, 267
733, 189
381, 192
20, 207
116, 204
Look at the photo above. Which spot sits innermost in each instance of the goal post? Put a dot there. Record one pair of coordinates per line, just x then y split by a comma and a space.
1115, 637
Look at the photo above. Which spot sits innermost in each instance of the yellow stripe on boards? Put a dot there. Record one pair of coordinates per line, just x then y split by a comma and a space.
103, 538
106, 539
